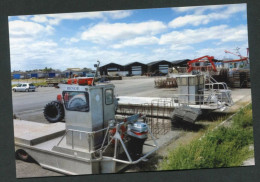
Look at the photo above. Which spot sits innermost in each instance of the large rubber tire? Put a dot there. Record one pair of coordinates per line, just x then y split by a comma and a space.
54, 112
22, 155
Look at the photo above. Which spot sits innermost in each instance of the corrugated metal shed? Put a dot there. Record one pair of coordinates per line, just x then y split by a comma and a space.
136, 68
111, 67
159, 66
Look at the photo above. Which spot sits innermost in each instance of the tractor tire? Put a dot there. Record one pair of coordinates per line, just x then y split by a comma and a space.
54, 112
22, 155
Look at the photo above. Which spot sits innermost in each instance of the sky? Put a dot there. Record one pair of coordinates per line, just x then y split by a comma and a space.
78, 40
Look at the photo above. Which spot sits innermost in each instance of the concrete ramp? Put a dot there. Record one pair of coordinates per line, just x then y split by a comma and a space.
32, 133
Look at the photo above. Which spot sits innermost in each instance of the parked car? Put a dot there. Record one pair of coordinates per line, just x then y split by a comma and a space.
24, 87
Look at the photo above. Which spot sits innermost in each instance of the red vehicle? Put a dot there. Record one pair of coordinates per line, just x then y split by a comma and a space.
204, 63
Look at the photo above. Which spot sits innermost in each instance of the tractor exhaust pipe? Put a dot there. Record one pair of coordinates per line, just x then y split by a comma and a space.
97, 67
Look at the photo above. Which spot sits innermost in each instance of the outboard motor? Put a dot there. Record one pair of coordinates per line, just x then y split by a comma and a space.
137, 132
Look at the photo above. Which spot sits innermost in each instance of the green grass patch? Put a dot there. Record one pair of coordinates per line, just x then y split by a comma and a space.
40, 84
222, 147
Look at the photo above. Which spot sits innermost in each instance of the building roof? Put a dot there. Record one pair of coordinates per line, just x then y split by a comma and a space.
111, 64
156, 62
129, 64
178, 62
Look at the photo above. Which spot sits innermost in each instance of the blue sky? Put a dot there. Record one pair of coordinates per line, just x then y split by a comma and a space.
78, 40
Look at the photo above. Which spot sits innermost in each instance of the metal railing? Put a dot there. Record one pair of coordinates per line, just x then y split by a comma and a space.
90, 136
214, 100
117, 138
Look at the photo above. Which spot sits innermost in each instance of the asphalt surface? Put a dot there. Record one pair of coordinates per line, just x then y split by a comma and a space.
29, 106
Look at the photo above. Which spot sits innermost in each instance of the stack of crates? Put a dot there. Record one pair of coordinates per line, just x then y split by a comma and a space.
240, 79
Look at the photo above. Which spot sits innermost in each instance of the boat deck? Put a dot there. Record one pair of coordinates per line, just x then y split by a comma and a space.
32, 133
160, 102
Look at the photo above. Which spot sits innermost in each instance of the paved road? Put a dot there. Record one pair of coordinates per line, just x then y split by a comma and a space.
29, 106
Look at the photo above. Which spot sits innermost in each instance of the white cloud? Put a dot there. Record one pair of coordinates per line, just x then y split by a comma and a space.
39, 18
69, 41
29, 43
137, 42
198, 18
180, 47
32, 55
194, 20
119, 14
40, 45
32, 47
160, 50
220, 33
235, 8
24, 18
27, 37
218, 52
23, 29
198, 9
103, 32
55, 19
236, 35
74, 40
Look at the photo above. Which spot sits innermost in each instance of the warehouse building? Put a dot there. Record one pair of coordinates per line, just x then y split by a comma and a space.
161, 66
180, 63
113, 69
136, 68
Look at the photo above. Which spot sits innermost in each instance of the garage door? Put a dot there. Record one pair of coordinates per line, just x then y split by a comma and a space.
112, 69
163, 68
136, 70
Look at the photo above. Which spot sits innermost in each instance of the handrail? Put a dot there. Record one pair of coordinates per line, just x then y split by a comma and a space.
88, 133
216, 98
116, 138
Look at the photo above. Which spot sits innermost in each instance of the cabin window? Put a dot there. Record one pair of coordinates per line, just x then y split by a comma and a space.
197, 64
109, 96
76, 101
